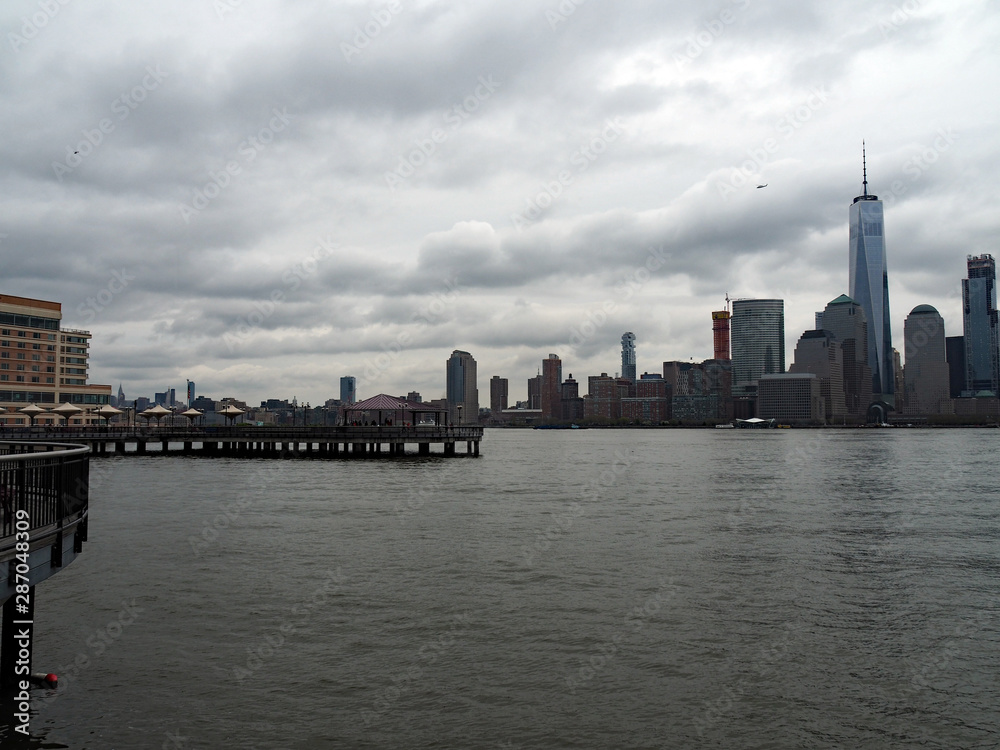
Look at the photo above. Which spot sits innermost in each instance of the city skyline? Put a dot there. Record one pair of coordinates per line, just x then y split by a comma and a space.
263, 199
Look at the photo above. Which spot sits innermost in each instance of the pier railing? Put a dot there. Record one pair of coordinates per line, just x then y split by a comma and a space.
44, 491
313, 433
45, 483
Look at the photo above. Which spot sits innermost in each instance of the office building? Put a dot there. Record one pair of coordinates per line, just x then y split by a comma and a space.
462, 388
190, 392
897, 369
926, 375
982, 349
790, 398
628, 356
44, 364
570, 400
819, 353
955, 349
166, 399
551, 387
869, 286
498, 395
845, 319
535, 393
348, 390
758, 341
720, 333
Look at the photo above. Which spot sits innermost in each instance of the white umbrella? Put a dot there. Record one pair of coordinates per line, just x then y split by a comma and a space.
66, 410
156, 412
32, 410
230, 412
107, 411
192, 414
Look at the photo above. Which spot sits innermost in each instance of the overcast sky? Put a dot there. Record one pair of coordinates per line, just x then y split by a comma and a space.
269, 194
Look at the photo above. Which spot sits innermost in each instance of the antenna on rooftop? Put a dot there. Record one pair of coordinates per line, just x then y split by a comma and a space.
864, 167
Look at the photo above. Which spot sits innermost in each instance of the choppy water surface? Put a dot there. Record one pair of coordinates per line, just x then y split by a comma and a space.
568, 589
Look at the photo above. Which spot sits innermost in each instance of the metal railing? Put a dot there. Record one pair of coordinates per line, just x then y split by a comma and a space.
314, 433
48, 481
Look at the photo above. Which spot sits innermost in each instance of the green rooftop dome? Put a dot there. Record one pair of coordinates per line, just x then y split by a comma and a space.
843, 299
921, 309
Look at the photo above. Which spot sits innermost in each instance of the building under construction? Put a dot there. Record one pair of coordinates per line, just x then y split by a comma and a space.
720, 333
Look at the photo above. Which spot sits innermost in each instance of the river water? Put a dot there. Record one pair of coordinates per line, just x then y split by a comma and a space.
567, 589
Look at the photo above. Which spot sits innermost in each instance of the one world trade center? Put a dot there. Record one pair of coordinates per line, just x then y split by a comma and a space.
870, 287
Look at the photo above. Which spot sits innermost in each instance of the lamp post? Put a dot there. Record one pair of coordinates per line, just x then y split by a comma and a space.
459, 415
305, 415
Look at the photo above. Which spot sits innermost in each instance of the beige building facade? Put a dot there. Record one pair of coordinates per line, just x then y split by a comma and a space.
44, 364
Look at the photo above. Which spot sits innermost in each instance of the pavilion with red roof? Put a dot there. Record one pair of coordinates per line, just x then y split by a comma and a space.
397, 407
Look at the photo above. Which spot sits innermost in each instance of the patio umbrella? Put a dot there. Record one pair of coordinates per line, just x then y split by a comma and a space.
67, 410
107, 411
192, 414
230, 412
32, 410
156, 412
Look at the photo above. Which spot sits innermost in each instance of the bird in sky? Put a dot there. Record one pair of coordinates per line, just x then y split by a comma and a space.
760, 186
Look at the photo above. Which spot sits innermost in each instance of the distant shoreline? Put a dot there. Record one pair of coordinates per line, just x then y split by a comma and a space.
907, 426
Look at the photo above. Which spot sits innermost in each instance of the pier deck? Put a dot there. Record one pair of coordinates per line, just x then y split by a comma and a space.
265, 442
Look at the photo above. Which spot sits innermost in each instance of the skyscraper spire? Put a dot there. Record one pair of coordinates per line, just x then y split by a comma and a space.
864, 167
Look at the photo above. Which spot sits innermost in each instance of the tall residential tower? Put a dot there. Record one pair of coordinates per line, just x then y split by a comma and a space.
720, 332
462, 388
628, 356
869, 286
348, 389
551, 387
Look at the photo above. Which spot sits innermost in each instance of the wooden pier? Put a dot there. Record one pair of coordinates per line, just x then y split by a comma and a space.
247, 441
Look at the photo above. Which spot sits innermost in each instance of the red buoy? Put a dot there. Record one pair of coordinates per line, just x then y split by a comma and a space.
49, 680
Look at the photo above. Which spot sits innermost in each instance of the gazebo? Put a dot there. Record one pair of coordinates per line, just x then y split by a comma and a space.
394, 406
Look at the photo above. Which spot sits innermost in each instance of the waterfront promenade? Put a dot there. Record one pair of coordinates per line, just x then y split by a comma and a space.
44, 493
316, 441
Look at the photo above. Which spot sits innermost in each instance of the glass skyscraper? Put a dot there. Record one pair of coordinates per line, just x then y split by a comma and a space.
758, 341
982, 349
348, 389
869, 286
628, 356
462, 389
